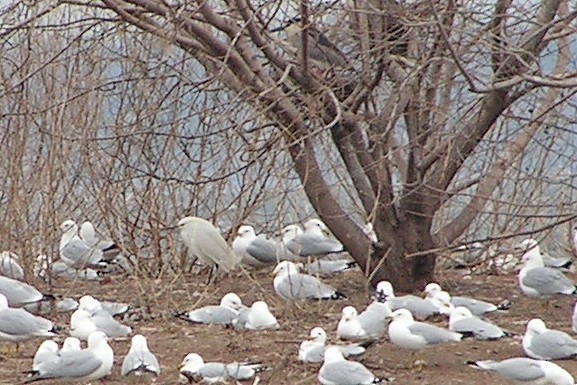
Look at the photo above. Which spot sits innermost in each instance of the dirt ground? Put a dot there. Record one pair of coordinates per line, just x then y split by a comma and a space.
154, 301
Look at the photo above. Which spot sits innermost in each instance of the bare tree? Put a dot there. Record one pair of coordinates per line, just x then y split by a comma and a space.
416, 130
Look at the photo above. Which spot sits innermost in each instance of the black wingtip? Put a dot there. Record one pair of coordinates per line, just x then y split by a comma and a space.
48, 297
352, 264
338, 295
472, 363
183, 315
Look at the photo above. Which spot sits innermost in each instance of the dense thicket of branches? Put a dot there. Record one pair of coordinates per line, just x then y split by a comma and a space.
451, 121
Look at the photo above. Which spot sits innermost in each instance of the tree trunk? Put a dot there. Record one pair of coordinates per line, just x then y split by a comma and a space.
406, 266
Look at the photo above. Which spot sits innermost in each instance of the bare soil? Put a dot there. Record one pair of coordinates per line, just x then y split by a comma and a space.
154, 302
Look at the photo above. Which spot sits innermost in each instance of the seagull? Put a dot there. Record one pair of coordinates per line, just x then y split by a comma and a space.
319, 49
139, 359
329, 266
477, 307
255, 251
74, 251
350, 327
103, 319
374, 319
45, 307
257, 317
18, 325
193, 368
407, 333
336, 370
9, 266
89, 364
313, 350
312, 242
523, 370
419, 307
539, 281
464, 322
46, 354
109, 249
205, 242
20, 293
223, 314
547, 344
289, 284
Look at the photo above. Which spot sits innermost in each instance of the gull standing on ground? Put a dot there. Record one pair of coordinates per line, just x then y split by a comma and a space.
139, 359
547, 344
255, 251
477, 307
289, 284
312, 350
193, 368
222, 314
89, 364
419, 307
463, 321
18, 325
74, 251
523, 370
539, 281
405, 332
336, 370
257, 317
9, 266
312, 242
205, 242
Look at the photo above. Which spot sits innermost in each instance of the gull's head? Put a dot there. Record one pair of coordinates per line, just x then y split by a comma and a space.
69, 226
284, 268
318, 334
316, 226
432, 289
349, 313
139, 342
246, 231
289, 232
90, 304
97, 338
87, 229
333, 354
71, 344
384, 290
402, 315
459, 313
79, 316
48, 346
192, 362
531, 252
260, 307
536, 326
232, 301
444, 300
